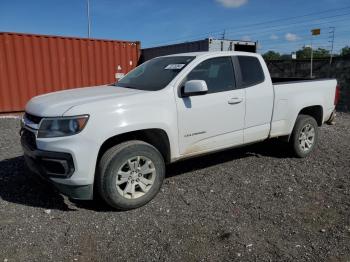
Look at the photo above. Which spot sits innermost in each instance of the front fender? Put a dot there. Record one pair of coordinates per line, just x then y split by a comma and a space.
149, 110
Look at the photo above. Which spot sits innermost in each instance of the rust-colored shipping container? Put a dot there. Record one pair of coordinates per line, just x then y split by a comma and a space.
35, 64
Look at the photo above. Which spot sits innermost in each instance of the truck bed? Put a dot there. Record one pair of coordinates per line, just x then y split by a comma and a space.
281, 80
293, 94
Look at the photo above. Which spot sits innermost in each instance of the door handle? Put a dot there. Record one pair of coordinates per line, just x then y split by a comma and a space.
235, 100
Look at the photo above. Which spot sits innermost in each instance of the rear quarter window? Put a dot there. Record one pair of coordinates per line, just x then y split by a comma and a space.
251, 71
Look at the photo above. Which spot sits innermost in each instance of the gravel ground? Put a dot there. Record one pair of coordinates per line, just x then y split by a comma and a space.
255, 203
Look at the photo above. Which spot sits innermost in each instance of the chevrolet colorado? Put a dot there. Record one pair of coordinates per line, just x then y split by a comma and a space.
115, 140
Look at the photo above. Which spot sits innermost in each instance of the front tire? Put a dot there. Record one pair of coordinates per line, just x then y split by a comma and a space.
130, 174
304, 137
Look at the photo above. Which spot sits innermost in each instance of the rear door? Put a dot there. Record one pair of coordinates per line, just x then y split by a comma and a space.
258, 95
214, 120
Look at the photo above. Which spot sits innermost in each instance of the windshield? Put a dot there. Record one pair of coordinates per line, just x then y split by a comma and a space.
155, 74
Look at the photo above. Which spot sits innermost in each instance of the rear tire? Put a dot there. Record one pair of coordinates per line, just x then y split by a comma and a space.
130, 174
304, 137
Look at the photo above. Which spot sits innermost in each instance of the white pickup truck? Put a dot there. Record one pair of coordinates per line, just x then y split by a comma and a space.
115, 140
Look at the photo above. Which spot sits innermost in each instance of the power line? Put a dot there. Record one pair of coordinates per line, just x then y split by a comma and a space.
284, 40
296, 31
321, 42
301, 22
291, 25
263, 23
255, 24
318, 42
298, 47
302, 25
272, 44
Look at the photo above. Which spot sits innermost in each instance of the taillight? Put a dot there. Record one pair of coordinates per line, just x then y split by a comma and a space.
337, 95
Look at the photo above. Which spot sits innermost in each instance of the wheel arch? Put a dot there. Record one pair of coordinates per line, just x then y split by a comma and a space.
315, 111
155, 136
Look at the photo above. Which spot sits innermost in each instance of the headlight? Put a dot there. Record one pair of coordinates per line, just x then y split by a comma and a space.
62, 126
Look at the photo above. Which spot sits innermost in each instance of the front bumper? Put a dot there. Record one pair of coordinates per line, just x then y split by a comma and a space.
53, 166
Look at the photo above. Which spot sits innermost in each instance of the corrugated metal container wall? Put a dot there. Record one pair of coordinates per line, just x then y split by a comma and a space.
208, 44
35, 64
195, 46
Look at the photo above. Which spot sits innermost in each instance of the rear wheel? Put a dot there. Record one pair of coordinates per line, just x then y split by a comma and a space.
130, 174
304, 136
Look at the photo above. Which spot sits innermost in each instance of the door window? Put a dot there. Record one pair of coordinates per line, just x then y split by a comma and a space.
216, 72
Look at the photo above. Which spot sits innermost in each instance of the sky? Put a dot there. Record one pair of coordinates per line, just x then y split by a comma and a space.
280, 25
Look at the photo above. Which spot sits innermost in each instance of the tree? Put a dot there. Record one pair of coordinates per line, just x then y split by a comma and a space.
272, 55
345, 51
305, 53
286, 57
321, 53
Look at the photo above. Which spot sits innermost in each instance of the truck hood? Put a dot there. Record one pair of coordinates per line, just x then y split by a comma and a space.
57, 103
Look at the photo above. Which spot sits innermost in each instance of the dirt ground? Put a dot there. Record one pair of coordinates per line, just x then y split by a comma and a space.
256, 203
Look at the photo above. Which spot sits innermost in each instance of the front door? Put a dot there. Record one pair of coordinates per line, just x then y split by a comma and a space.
214, 120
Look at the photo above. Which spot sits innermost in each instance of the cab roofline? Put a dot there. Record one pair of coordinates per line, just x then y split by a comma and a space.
213, 53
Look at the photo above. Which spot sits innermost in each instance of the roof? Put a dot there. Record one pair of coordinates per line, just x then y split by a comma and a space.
218, 53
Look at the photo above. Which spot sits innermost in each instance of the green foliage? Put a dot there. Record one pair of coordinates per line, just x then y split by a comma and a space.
286, 57
305, 53
345, 51
321, 53
271, 55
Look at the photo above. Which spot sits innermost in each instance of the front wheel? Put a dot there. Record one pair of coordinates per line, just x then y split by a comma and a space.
304, 136
130, 174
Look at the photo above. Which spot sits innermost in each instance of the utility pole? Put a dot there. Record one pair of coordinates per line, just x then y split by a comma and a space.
311, 58
88, 17
316, 31
332, 32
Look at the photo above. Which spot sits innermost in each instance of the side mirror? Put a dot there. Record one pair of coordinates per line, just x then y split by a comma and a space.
195, 88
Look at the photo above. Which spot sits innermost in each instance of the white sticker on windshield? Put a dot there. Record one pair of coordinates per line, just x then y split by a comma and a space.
174, 66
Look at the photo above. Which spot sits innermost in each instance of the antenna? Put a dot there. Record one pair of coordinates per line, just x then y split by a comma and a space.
223, 35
